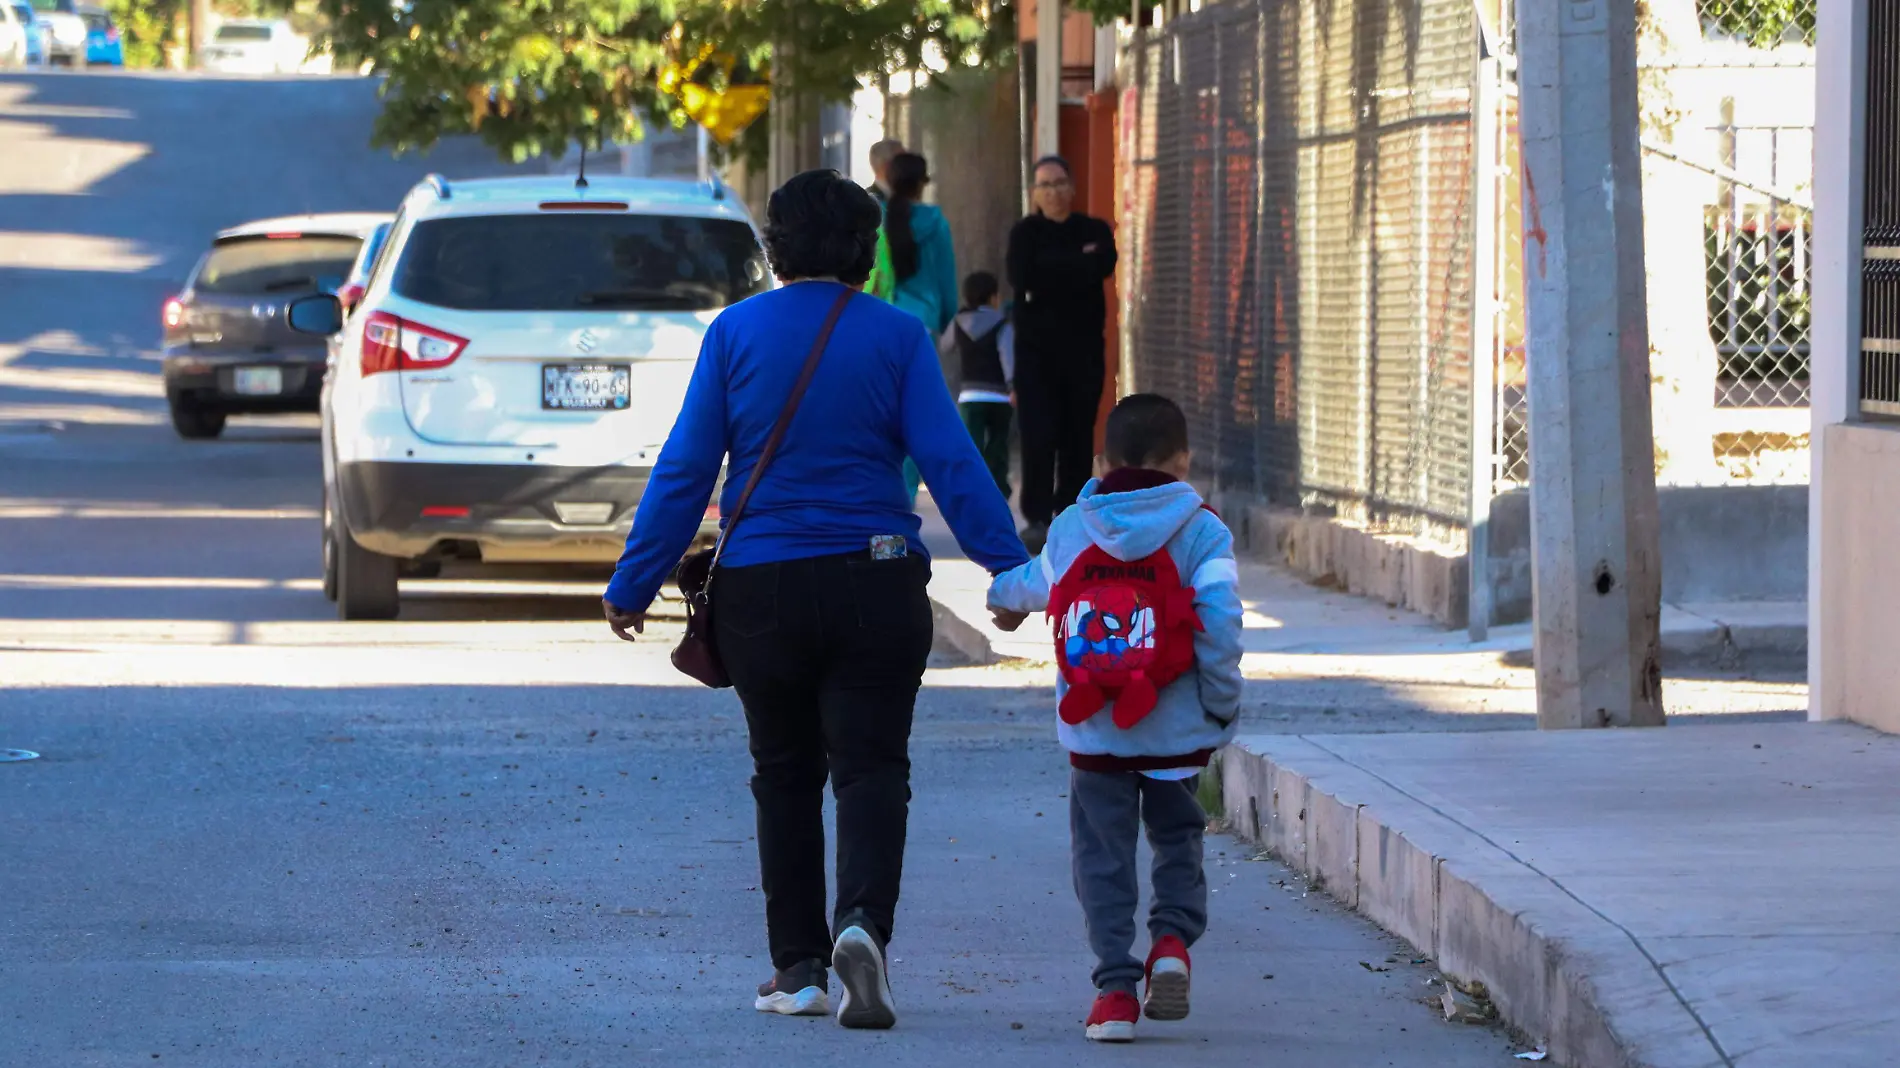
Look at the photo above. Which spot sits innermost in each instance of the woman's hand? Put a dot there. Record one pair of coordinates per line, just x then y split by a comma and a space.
621, 622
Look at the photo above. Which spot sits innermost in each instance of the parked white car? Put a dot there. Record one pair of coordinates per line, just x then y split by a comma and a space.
255, 46
14, 36
519, 354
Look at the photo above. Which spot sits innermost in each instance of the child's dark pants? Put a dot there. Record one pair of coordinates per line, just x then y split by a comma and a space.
1106, 812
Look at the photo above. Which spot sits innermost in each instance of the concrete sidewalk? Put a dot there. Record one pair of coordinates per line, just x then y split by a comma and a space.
1681, 898
1286, 615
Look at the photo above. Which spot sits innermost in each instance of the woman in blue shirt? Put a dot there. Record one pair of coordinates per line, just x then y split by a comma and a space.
822, 620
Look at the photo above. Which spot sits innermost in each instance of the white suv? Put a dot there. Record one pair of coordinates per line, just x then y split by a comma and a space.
519, 354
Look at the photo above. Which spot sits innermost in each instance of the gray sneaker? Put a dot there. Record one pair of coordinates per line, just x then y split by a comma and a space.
796, 991
858, 958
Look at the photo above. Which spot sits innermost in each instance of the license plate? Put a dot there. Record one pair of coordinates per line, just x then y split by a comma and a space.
257, 381
586, 387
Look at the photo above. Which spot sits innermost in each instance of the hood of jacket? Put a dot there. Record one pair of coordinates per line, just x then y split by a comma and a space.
1131, 525
979, 321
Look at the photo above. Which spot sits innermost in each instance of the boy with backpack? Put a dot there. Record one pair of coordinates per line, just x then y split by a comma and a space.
978, 346
1139, 579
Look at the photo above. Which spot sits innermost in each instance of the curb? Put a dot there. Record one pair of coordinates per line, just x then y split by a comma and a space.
955, 643
1558, 971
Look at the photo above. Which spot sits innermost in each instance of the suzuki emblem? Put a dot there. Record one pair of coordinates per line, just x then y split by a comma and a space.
585, 341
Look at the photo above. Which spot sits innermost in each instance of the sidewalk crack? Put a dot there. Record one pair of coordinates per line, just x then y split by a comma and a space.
1707, 1032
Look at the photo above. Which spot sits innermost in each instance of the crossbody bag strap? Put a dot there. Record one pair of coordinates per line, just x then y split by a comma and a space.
784, 419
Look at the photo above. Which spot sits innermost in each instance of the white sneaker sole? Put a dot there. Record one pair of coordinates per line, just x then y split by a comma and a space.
1112, 1031
867, 1000
1167, 995
811, 1001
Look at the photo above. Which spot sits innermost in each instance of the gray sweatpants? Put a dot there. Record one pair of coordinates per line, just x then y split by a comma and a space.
1106, 812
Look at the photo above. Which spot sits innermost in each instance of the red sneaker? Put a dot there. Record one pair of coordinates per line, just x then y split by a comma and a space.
1168, 970
1113, 1017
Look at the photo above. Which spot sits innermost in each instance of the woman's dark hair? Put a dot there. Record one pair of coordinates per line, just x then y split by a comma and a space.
1053, 160
907, 176
821, 224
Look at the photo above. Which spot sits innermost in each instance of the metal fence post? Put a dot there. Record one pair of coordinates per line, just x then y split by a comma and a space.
1485, 100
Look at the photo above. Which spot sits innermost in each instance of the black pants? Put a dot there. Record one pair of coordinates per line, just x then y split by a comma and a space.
1058, 392
827, 654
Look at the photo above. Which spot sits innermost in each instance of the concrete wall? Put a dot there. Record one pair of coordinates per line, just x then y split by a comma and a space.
1719, 543
1860, 581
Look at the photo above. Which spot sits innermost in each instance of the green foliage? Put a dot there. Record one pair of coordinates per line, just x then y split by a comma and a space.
1103, 11
532, 76
1763, 23
148, 27
145, 28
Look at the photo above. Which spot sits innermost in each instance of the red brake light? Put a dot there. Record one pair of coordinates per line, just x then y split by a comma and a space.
583, 205
393, 344
283, 235
445, 511
112, 35
174, 313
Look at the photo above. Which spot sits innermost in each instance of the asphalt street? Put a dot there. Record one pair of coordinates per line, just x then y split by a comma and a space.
486, 834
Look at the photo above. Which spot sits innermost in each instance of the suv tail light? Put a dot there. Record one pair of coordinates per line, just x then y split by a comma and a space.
393, 344
174, 313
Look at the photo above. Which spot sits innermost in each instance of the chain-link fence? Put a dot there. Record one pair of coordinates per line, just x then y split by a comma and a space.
1728, 139
1300, 250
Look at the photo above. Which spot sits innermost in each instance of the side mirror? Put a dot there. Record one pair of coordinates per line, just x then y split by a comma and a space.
320, 315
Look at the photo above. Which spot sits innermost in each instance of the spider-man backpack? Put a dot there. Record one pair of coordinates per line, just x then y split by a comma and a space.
1123, 630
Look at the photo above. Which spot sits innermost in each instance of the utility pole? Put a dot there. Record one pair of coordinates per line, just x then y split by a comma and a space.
1048, 77
1596, 564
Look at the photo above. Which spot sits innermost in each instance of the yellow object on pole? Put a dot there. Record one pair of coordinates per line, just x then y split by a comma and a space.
723, 112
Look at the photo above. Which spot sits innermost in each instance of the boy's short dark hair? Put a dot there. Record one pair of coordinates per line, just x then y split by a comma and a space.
979, 288
1145, 429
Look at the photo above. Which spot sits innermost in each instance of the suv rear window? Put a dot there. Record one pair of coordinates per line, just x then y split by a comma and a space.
243, 33
250, 265
580, 261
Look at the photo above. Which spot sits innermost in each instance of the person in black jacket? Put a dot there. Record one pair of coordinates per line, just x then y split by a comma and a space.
1058, 260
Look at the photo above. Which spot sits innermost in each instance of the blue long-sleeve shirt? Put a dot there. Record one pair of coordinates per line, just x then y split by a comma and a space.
837, 480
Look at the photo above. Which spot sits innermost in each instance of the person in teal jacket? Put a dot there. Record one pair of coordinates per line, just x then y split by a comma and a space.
923, 260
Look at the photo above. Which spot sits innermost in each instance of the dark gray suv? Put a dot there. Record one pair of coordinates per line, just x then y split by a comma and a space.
228, 346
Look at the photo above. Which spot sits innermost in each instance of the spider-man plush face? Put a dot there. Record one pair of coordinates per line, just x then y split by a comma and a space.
1101, 626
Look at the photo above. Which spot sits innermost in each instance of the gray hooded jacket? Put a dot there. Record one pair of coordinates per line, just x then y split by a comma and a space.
1199, 710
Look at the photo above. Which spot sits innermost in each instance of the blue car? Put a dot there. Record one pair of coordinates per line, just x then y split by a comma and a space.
103, 47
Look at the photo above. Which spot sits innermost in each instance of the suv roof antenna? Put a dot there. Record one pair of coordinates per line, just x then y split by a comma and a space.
580, 181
